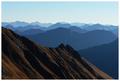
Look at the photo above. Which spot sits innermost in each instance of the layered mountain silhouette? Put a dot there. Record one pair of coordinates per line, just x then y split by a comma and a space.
18, 25
15, 24
111, 28
77, 40
104, 56
79, 37
24, 59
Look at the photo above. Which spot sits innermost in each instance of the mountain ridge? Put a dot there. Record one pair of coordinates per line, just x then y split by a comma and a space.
31, 61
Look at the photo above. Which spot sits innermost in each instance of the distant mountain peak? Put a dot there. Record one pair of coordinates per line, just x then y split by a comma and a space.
58, 24
97, 24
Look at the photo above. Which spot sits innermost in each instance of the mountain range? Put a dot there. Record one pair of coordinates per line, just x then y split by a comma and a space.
48, 26
24, 59
77, 40
96, 42
81, 37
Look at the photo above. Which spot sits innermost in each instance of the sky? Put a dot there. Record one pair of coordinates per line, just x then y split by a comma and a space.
51, 12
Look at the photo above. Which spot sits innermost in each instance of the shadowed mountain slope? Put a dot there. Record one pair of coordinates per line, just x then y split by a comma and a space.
23, 59
104, 56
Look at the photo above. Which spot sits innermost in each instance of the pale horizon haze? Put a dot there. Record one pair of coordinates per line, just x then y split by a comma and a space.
51, 12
